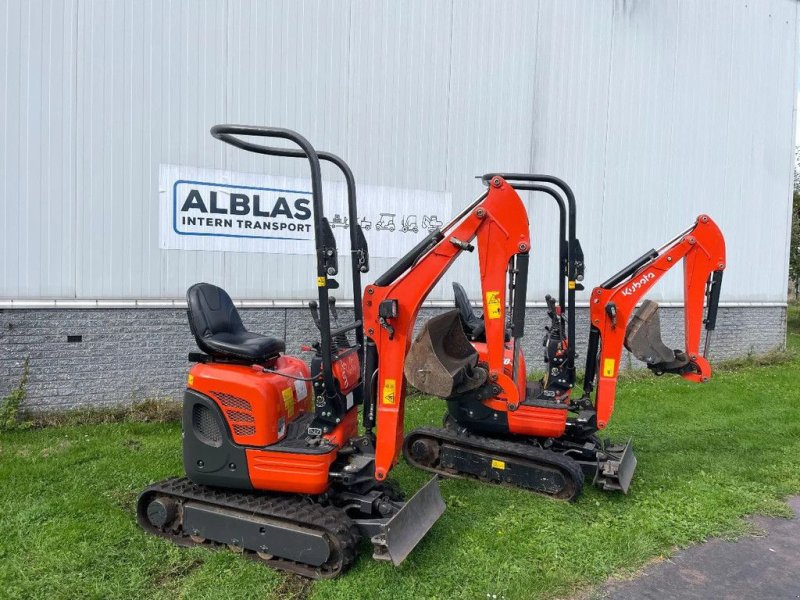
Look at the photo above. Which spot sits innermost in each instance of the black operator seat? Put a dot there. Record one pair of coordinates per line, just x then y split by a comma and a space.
218, 329
472, 323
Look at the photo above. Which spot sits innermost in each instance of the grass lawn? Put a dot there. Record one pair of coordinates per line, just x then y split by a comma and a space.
708, 454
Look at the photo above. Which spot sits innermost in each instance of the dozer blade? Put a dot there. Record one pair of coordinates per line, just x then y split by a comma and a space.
616, 471
441, 361
407, 527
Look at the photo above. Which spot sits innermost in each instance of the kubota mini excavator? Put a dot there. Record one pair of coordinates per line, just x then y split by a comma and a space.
499, 427
274, 464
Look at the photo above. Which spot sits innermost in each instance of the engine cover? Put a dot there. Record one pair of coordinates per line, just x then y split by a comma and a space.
257, 406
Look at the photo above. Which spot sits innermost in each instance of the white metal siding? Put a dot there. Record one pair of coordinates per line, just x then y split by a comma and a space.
653, 110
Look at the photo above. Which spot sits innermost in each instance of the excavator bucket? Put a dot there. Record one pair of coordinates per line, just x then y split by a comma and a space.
398, 537
643, 335
441, 361
643, 339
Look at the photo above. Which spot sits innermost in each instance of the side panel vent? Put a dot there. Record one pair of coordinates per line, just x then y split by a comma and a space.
232, 401
244, 430
206, 427
239, 415
235, 415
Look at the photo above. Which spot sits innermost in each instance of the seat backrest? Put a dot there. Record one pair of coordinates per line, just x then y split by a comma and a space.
211, 311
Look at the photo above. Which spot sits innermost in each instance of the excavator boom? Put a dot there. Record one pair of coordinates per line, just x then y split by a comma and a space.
614, 324
499, 221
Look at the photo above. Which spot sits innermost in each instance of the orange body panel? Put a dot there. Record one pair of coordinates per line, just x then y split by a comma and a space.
526, 420
257, 405
296, 472
347, 371
345, 430
536, 421
289, 471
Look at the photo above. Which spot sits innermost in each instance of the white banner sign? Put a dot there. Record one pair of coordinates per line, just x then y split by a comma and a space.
207, 209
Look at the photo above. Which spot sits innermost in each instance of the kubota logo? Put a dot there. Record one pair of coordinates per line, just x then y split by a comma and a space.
643, 280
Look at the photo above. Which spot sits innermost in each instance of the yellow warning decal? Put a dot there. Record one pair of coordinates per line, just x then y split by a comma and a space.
571, 284
498, 464
493, 304
608, 367
389, 391
321, 281
288, 401
190, 379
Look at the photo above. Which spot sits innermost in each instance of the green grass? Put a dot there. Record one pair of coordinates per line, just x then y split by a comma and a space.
708, 454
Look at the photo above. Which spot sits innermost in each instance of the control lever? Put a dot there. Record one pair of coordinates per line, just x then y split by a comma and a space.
556, 328
551, 305
334, 312
341, 340
314, 307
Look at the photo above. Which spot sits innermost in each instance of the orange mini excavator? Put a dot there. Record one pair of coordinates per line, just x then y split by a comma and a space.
499, 427
275, 466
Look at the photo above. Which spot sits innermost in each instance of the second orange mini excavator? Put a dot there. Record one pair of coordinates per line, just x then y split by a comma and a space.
499, 427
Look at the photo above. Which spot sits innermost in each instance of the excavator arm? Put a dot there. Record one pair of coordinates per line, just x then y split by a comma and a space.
614, 324
499, 221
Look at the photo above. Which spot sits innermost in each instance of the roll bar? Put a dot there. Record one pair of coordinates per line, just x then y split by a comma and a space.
358, 248
574, 254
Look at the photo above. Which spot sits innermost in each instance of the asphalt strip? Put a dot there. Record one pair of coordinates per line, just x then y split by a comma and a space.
765, 567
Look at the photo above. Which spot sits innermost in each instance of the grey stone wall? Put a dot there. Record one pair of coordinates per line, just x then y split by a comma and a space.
127, 355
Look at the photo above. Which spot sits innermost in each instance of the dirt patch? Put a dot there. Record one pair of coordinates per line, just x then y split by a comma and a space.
134, 445
59, 448
176, 572
293, 587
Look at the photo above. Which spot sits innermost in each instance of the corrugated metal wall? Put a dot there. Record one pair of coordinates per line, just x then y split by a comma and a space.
653, 110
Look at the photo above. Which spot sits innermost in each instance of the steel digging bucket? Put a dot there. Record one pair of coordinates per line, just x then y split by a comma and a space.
643, 335
441, 361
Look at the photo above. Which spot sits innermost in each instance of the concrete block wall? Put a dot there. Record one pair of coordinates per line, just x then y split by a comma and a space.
128, 355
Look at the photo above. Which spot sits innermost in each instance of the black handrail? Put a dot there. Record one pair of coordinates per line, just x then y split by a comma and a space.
226, 134
572, 244
563, 247
352, 210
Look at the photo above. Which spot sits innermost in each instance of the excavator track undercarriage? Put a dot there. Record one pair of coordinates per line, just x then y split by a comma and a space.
287, 532
454, 452
554, 468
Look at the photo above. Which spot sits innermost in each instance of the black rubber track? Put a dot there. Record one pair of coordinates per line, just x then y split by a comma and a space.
300, 511
503, 450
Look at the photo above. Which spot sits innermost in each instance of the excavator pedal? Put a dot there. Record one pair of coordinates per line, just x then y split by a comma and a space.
536, 395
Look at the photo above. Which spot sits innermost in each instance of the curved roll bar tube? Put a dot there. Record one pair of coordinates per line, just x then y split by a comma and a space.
358, 250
